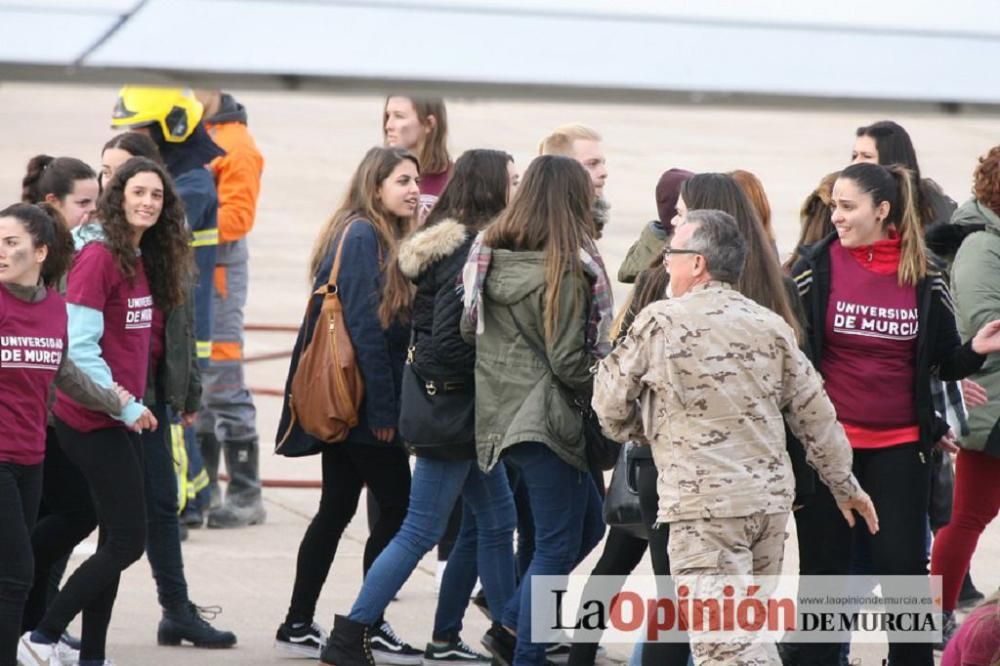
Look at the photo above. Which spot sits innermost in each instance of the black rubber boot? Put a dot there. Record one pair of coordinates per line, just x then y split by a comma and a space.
347, 645
192, 517
188, 623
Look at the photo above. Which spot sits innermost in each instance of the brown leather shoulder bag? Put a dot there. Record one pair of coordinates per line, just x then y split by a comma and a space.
327, 388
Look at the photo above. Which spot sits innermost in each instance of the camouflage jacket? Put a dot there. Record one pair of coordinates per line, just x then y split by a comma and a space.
705, 379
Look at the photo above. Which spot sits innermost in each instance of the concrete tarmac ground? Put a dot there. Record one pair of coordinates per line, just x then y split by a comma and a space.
311, 144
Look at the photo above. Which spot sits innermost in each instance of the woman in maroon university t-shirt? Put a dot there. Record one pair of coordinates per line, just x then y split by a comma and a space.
134, 259
35, 252
880, 318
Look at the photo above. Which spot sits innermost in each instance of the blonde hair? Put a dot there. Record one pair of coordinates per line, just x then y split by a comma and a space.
814, 217
560, 142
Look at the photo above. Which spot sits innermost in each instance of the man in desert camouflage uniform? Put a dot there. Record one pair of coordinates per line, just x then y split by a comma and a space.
706, 378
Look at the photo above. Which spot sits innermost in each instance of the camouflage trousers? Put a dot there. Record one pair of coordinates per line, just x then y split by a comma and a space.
739, 549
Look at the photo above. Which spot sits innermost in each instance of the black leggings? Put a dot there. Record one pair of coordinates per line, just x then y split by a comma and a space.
20, 489
347, 468
622, 553
898, 480
658, 654
65, 519
111, 461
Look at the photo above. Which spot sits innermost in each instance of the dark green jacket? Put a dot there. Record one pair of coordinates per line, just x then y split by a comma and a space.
643, 252
975, 285
176, 381
517, 398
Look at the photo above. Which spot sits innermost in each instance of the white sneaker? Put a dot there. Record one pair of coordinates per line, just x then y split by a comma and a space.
300, 640
388, 648
30, 653
68, 655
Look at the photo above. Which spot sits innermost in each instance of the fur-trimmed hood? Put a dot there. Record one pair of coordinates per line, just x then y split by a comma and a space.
430, 245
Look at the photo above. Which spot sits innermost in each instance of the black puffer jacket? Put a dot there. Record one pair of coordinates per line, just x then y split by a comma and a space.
433, 258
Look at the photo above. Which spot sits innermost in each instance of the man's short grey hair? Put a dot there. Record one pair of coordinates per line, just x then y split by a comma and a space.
718, 239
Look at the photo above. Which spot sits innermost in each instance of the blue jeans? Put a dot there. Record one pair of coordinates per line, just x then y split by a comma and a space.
485, 541
459, 577
525, 528
566, 512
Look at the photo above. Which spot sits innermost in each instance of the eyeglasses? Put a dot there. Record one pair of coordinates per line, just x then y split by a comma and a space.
669, 252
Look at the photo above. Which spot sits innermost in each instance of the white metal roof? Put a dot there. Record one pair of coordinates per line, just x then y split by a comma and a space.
627, 49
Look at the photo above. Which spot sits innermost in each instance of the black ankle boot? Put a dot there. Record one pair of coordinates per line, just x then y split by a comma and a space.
187, 623
969, 596
347, 645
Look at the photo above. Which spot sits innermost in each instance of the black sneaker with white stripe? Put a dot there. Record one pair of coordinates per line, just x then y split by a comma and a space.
300, 640
388, 648
453, 652
558, 653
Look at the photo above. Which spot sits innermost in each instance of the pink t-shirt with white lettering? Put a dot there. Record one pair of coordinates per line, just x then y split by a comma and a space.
977, 642
32, 344
96, 282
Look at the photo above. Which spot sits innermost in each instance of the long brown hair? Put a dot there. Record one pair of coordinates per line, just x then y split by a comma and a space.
814, 217
361, 202
476, 192
650, 286
551, 212
895, 185
761, 279
165, 247
432, 152
754, 189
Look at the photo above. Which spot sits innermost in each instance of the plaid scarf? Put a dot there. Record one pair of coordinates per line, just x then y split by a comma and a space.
601, 300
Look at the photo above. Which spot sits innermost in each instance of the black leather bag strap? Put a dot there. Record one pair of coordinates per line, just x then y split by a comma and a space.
433, 386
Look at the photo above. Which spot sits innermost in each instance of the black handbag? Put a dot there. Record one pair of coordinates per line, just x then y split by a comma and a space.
602, 452
621, 503
942, 489
437, 417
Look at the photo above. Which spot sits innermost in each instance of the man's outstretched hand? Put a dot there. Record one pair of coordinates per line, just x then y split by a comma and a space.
863, 505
